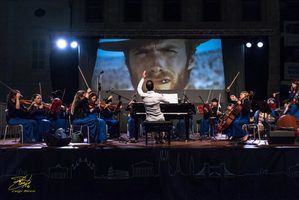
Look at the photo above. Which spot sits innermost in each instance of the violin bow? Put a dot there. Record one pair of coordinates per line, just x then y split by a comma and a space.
201, 99
83, 77
209, 95
228, 88
9, 87
40, 88
219, 100
63, 94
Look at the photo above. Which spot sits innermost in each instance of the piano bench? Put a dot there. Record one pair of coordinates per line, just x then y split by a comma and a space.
158, 126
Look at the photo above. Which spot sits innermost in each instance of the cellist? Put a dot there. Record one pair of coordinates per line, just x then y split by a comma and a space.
235, 129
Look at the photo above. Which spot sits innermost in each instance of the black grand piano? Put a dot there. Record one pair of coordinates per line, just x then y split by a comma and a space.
170, 111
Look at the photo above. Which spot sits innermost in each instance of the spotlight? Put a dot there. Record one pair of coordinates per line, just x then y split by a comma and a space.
74, 44
61, 43
248, 44
260, 44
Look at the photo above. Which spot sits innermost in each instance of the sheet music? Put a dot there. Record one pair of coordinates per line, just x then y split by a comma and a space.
171, 98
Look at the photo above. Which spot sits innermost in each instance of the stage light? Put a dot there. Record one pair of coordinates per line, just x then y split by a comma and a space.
260, 44
61, 43
248, 44
74, 44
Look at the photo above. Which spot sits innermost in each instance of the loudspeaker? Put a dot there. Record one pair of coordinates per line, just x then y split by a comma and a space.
281, 137
57, 138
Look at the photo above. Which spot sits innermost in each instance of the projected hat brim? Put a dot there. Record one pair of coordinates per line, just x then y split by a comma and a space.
124, 45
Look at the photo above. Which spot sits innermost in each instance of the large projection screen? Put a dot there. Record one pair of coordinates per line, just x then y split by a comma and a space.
173, 64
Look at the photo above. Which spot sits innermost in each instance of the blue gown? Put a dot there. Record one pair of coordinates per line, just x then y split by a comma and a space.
20, 117
43, 124
293, 110
82, 116
113, 124
235, 129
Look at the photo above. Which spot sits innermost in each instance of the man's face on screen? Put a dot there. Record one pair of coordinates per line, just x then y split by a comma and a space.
165, 62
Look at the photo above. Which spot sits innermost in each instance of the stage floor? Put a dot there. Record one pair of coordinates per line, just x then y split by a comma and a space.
124, 143
197, 169
127, 144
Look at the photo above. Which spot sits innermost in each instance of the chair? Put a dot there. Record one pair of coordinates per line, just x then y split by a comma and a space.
13, 127
251, 129
158, 126
72, 127
16, 127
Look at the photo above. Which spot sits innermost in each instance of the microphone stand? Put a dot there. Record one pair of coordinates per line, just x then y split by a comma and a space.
118, 115
185, 98
99, 82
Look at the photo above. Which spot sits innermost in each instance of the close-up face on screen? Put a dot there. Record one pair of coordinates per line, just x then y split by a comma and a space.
172, 64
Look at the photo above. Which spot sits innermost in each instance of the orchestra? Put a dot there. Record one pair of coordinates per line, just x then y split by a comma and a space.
100, 115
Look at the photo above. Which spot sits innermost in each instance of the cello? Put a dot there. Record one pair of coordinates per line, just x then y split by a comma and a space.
229, 116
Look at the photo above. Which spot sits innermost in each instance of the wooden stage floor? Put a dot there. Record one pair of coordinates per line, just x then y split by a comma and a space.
125, 143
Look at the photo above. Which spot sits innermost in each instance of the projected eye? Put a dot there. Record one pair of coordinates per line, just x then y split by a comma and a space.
169, 51
164, 81
141, 52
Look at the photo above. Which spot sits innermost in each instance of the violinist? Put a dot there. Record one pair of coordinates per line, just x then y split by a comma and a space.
17, 114
38, 111
94, 109
204, 123
291, 108
263, 117
57, 112
80, 114
108, 111
294, 91
235, 131
273, 105
131, 121
210, 118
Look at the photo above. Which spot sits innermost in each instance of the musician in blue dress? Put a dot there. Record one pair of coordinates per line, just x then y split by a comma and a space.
58, 114
94, 108
17, 114
294, 91
292, 106
80, 114
131, 121
38, 111
235, 130
108, 111
211, 114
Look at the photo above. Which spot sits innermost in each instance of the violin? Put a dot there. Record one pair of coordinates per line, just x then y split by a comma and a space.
203, 108
111, 107
46, 106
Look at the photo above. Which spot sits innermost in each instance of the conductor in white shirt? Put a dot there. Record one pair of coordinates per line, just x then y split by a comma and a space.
151, 101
